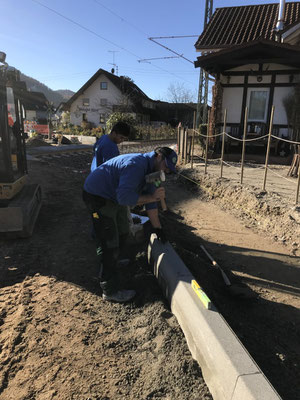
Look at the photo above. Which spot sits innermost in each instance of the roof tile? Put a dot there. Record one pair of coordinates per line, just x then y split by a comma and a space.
235, 25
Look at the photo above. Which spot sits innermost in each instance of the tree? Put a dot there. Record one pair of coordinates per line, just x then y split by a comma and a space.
65, 118
178, 93
127, 78
50, 113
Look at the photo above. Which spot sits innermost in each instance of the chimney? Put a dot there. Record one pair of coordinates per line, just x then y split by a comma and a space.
280, 21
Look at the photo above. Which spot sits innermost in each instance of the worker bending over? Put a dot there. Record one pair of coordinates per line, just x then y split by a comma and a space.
106, 146
108, 191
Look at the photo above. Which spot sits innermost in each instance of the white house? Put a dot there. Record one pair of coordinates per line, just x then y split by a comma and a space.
105, 93
253, 52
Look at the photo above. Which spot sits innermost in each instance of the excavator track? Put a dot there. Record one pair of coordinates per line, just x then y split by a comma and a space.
18, 216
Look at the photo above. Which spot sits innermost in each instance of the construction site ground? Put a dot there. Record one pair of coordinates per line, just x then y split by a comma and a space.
59, 340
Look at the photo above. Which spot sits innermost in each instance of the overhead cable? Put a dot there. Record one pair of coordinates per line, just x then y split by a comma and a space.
103, 38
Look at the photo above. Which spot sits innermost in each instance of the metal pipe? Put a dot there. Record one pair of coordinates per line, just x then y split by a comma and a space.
280, 21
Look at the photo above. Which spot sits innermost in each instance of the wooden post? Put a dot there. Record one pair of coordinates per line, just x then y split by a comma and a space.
185, 145
180, 144
178, 141
189, 150
244, 144
178, 138
298, 184
193, 140
223, 141
268, 148
206, 144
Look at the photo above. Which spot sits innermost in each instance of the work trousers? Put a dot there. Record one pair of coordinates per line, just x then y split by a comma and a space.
111, 226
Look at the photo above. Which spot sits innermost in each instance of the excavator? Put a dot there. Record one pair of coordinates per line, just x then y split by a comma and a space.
20, 202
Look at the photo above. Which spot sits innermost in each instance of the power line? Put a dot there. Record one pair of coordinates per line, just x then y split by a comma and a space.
125, 68
151, 38
167, 48
84, 28
102, 37
121, 18
155, 58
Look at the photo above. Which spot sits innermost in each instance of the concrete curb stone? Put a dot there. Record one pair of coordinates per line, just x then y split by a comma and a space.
228, 369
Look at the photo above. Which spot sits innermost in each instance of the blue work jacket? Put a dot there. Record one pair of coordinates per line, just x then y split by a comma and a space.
104, 150
122, 179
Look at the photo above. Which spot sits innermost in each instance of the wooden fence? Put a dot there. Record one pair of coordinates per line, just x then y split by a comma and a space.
186, 141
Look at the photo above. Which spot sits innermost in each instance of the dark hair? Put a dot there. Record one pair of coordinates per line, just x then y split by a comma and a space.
121, 128
164, 151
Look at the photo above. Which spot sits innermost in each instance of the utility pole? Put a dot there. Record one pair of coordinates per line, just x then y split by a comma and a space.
201, 117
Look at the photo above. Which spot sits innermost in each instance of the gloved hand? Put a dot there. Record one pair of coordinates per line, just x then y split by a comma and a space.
161, 235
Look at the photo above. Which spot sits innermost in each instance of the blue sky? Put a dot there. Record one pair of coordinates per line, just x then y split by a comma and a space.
62, 43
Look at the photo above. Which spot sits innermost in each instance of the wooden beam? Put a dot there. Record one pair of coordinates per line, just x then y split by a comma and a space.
269, 72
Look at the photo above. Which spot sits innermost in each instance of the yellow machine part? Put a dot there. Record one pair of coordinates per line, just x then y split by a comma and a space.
9, 190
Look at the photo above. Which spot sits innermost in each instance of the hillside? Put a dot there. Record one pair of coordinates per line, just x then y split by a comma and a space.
55, 96
66, 93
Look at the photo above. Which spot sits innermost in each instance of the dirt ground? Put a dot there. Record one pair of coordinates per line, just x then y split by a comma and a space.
59, 340
254, 237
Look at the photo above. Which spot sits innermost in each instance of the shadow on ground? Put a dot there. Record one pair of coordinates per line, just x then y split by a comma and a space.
268, 329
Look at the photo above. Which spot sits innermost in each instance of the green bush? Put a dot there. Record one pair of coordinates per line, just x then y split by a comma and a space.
124, 117
137, 132
148, 132
86, 125
66, 131
98, 132
77, 129
65, 118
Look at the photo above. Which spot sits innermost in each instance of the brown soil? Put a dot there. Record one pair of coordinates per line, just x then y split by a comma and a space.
59, 340
35, 142
241, 230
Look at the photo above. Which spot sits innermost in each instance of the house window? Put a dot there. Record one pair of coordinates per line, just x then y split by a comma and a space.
258, 104
102, 118
84, 117
85, 102
103, 85
103, 102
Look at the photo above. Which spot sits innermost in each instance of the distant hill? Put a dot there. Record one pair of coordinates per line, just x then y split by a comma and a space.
55, 96
66, 94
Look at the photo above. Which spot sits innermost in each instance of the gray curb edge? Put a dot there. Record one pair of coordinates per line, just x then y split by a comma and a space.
228, 369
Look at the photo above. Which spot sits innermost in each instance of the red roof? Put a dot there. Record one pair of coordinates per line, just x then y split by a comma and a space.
236, 25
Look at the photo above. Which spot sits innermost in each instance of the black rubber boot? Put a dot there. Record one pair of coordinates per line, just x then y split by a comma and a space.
118, 296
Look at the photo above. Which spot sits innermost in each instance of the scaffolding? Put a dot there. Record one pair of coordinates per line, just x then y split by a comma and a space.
202, 104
